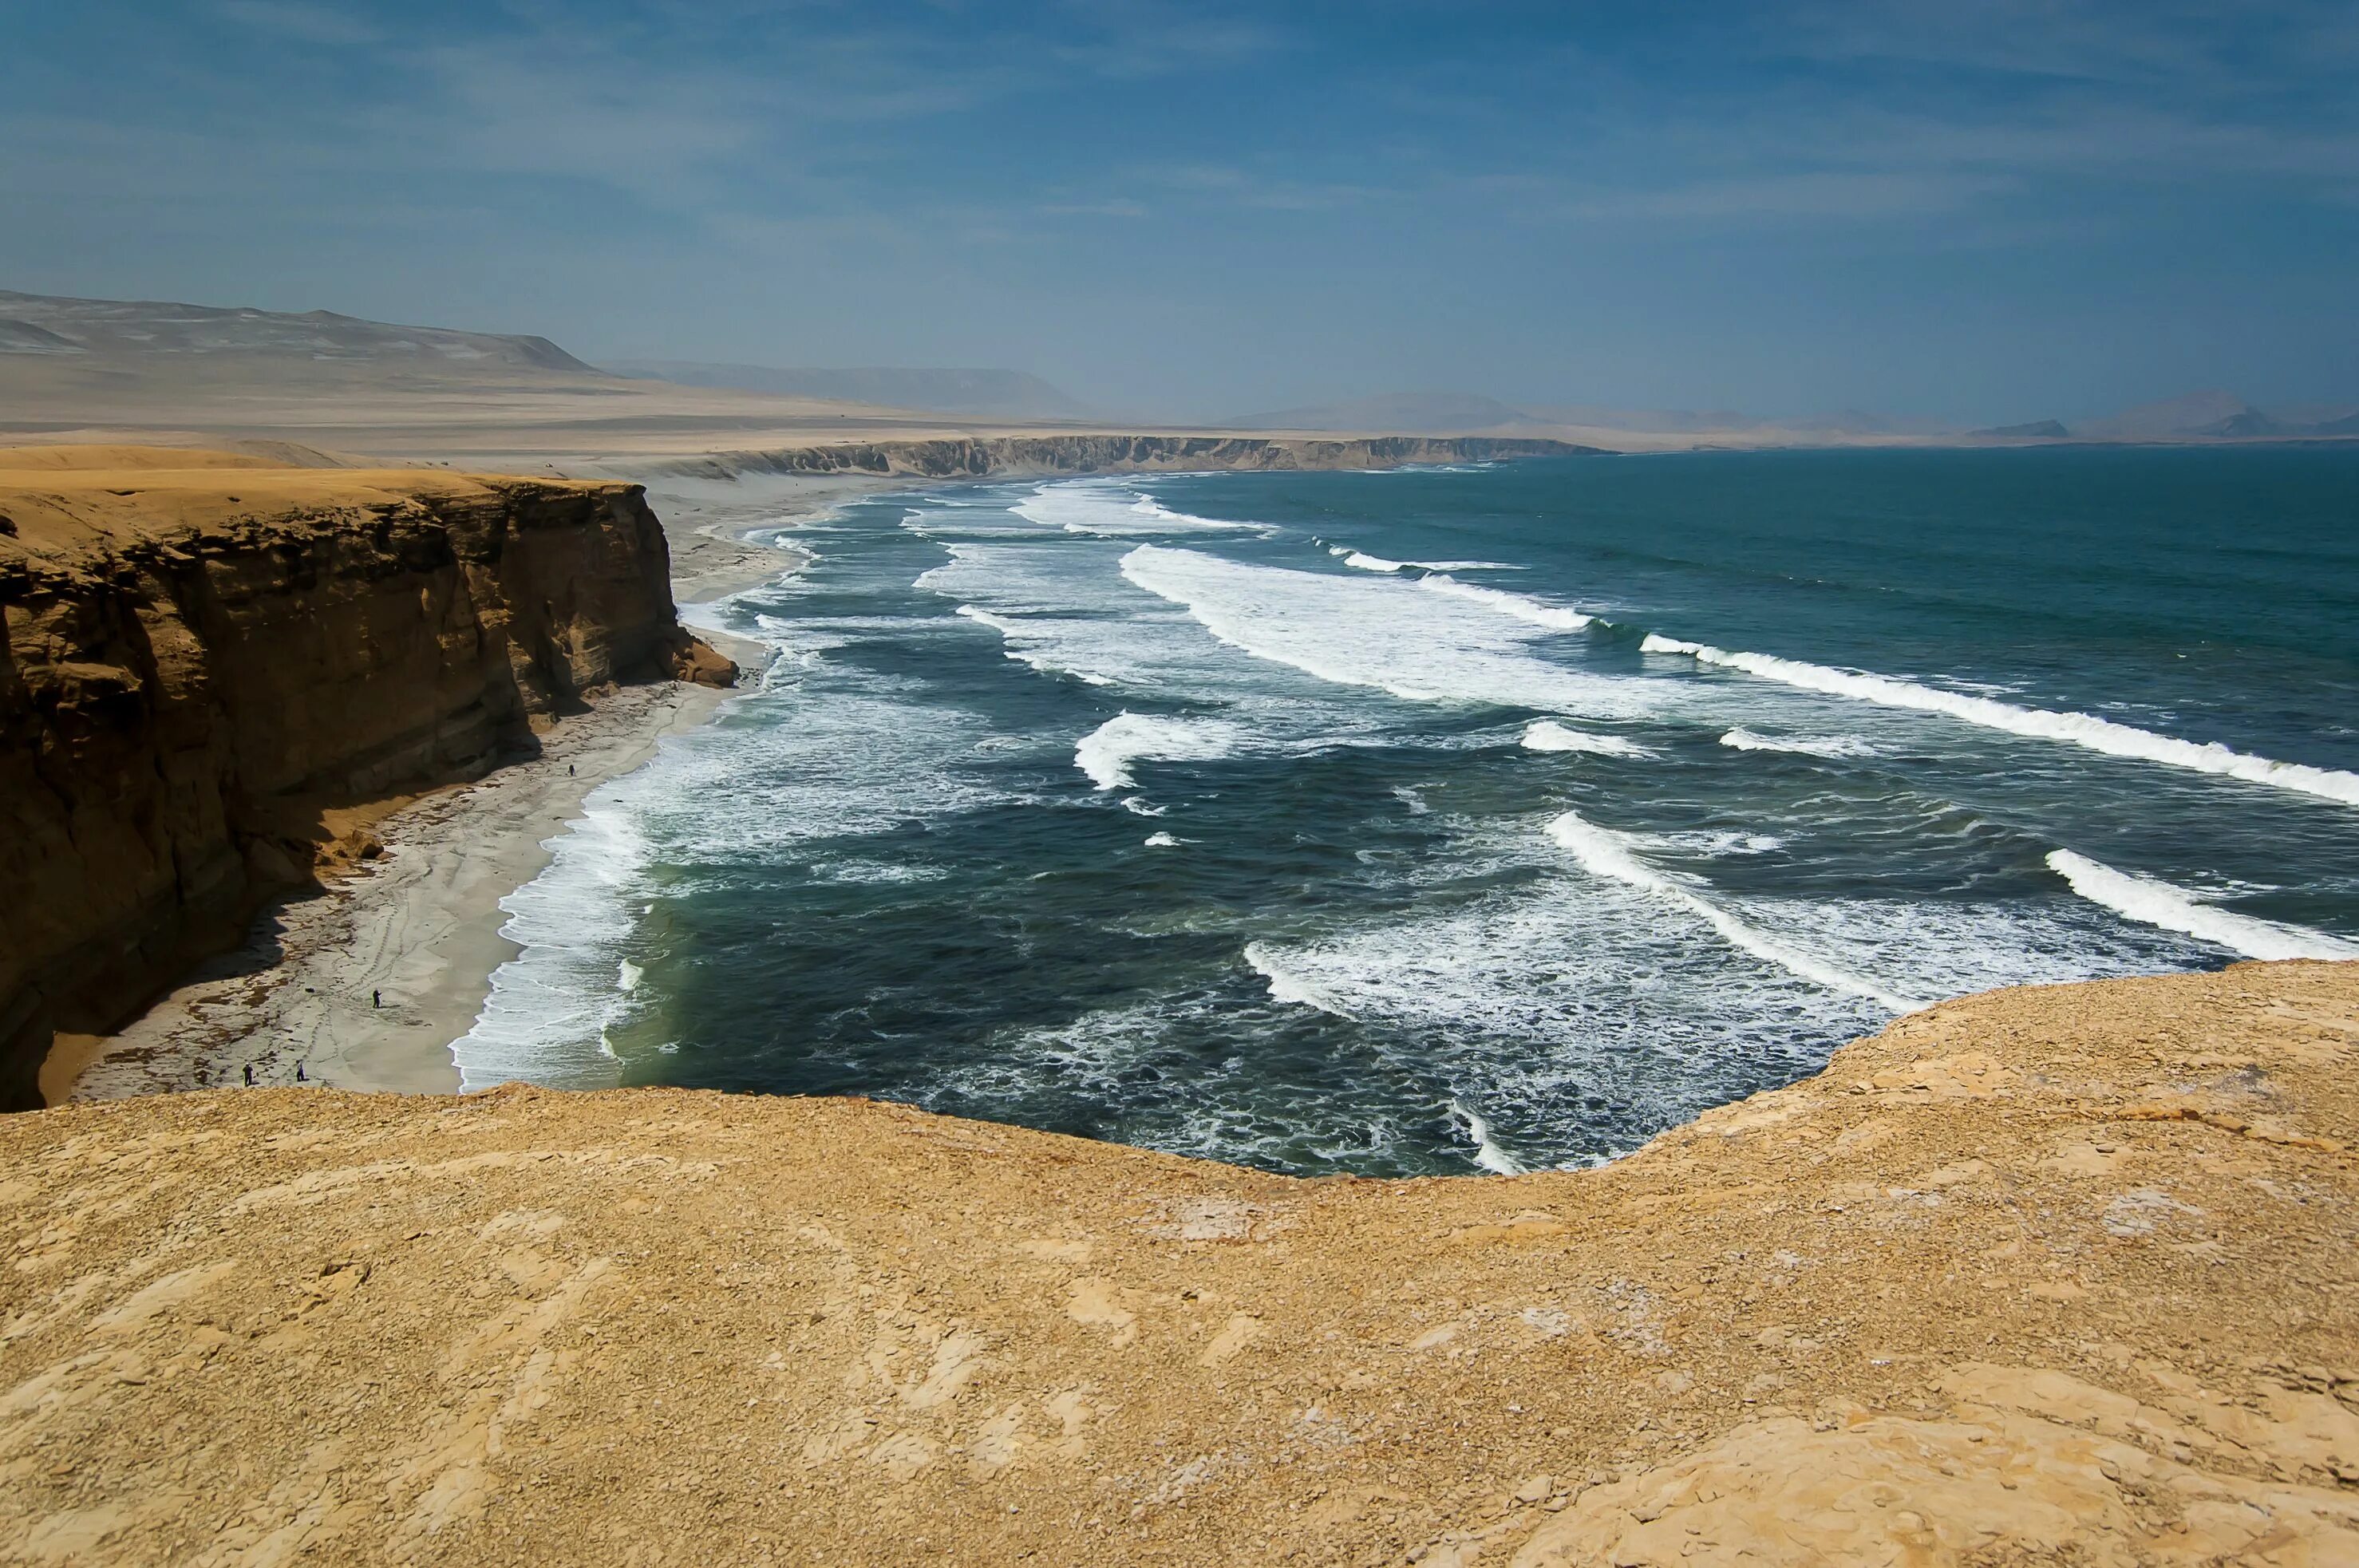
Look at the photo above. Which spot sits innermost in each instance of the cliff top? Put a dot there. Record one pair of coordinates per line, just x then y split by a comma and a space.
2061, 1274
61, 500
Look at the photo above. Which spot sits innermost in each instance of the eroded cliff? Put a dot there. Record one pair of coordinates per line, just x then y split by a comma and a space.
974, 457
208, 657
2060, 1275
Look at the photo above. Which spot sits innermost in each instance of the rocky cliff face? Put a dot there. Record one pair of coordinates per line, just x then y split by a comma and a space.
200, 665
973, 457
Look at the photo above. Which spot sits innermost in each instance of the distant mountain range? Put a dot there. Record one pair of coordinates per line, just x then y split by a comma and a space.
125, 332
1456, 413
86, 359
985, 394
2198, 416
49, 341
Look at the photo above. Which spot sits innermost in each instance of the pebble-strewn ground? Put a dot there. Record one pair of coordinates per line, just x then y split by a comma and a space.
2054, 1275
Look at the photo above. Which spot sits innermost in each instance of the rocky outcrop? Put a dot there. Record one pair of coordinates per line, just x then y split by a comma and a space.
2062, 1276
203, 666
974, 457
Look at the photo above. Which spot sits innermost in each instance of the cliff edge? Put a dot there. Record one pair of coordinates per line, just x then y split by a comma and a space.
2064, 1275
210, 659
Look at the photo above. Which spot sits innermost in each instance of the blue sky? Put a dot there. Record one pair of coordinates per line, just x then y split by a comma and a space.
1976, 212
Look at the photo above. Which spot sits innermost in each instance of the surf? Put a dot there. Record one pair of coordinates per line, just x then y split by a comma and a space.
1374, 633
1603, 852
2085, 729
2151, 901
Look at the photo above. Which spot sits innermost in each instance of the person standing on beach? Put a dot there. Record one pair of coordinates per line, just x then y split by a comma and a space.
377, 998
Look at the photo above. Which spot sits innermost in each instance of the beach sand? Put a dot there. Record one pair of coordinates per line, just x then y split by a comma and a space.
420, 926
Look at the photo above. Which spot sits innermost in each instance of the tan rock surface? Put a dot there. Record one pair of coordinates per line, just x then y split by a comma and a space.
2046, 1276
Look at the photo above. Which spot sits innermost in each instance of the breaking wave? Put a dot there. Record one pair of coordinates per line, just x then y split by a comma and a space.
1604, 853
1742, 739
1373, 633
1547, 734
2074, 729
1536, 612
2150, 901
1106, 753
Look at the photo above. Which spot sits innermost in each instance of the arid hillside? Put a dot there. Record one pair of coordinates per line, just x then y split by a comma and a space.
2067, 1275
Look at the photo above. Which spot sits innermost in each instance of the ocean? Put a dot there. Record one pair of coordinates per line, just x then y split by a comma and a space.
1475, 819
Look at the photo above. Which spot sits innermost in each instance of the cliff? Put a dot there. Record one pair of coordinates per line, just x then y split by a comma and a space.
972, 457
209, 658
2068, 1275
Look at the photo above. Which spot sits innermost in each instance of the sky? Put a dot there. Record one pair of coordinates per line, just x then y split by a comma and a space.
1983, 211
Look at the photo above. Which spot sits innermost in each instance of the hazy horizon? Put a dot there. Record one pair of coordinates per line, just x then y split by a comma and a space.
2030, 212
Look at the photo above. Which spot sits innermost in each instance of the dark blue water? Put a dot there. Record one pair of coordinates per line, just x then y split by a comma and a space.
1440, 820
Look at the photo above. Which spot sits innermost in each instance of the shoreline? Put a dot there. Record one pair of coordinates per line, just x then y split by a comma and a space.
422, 924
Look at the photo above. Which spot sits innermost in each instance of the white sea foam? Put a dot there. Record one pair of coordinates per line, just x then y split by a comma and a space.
1602, 852
1286, 986
1161, 840
1547, 734
1368, 562
1742, 739
1374, 632
544, 1020
2087, 730
1106, 509
1487, 1152
1035, 646
1529, 1001
1522, 606
2152, 902
1106, 753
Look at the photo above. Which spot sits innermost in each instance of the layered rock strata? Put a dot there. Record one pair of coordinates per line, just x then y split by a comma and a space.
2057, 1276
209, 659
975, 457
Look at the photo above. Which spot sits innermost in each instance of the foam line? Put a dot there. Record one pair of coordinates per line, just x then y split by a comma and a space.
1539, 612
1487, 1152
1374, 632
1105, 509
1742, 739
1604, 853
1106, 753
1291, 989
2074, 729
1368, 562
1547, 734
1021, 647
2152, 902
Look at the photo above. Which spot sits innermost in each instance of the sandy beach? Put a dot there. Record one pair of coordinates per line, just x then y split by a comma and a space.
365, 984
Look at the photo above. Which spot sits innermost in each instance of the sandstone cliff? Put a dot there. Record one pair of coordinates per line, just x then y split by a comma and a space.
972, 457
2060, 1275
208, 655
